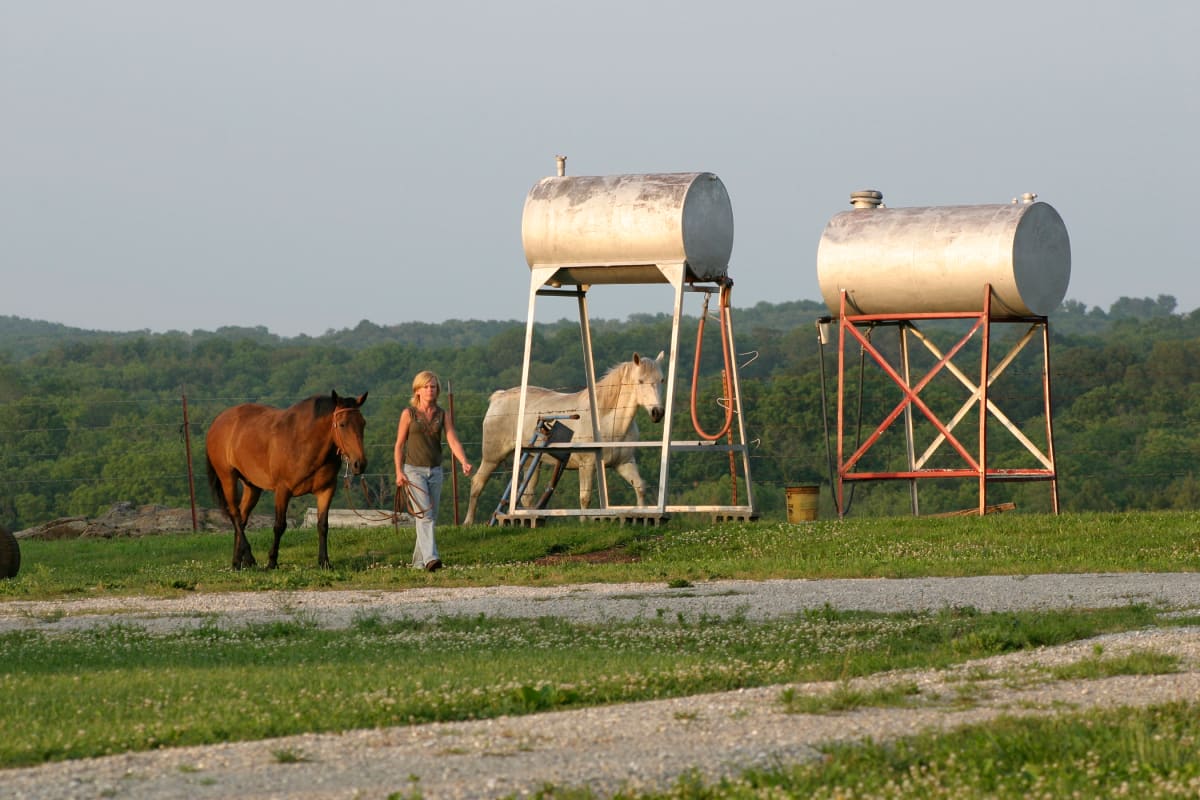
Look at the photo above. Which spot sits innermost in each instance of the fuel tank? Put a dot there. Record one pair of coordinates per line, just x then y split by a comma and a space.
940, 258
615, 228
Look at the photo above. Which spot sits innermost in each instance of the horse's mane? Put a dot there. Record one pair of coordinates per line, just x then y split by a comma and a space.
608, 388
318, 405
322, 404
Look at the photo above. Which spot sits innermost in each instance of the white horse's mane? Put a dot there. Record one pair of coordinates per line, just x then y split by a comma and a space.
609, 387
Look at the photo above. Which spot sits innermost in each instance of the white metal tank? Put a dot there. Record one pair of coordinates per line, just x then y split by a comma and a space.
940, 258
615, 228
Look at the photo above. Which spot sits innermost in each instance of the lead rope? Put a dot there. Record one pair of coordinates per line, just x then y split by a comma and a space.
338, 413
404, 500
368, 500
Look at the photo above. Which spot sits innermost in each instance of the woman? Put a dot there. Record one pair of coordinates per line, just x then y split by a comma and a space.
418, 458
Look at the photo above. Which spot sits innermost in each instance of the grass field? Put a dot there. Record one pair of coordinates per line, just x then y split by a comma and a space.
119, 688
573, 552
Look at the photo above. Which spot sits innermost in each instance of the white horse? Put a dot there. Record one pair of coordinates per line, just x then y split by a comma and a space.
618, 394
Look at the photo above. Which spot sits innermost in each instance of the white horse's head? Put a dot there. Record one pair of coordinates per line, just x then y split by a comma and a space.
648, 384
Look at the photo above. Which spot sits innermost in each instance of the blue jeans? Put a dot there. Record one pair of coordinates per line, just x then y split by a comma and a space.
425, 492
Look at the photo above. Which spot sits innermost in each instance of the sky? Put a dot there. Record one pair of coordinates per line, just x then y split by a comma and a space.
305, 166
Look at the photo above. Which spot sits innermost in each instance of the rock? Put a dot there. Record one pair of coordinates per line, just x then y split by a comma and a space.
62, 528
126, 519
350, 518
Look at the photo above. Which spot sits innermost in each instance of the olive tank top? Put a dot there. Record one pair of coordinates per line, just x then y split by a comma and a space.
424, 445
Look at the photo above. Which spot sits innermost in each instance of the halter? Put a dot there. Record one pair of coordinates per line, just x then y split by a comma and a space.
338, 414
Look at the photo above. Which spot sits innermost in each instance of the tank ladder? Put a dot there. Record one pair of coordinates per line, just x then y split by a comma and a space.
546, 432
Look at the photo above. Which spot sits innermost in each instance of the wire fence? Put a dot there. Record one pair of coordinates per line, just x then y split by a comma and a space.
60, 457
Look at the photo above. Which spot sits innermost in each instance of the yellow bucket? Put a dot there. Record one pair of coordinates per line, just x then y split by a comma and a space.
802, 503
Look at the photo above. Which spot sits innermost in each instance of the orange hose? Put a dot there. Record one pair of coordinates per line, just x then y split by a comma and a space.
725, 380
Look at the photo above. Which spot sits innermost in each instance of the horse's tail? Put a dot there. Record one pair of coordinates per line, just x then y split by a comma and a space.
218, 490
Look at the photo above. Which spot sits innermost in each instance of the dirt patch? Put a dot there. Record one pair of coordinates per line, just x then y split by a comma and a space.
613, 555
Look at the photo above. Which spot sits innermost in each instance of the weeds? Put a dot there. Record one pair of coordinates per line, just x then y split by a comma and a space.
846, 697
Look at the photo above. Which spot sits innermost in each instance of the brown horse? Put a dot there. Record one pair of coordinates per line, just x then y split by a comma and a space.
291, 452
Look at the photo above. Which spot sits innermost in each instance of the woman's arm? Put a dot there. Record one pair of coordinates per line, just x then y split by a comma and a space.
398, 452
455, 445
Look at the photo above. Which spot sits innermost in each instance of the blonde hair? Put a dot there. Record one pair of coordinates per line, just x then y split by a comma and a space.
423, 377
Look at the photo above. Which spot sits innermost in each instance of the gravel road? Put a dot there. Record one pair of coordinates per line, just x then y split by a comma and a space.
633, 746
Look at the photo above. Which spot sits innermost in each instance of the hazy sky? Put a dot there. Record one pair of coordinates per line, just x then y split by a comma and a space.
306, 165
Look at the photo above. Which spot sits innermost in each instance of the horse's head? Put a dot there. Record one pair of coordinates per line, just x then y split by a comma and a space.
648, 384
348, 426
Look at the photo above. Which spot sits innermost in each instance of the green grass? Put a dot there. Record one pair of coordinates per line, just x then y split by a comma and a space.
680, 552
1133, 753
1136, 663
848, 698
118, 688
1144, 753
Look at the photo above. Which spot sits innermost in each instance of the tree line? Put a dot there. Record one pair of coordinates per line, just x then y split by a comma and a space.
90, 418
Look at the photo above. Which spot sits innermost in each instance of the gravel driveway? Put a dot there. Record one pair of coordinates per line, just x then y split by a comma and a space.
637, 745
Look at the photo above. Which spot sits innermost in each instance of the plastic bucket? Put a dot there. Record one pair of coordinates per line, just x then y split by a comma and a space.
802, 503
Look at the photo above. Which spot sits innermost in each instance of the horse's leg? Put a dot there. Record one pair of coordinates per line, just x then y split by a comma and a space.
629, 471
239, 537
282, 497
528, 497
243, 556
587, 467
482, 473
324, 500
228, 499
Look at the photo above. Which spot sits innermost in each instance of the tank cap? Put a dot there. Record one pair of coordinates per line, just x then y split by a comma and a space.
866, 198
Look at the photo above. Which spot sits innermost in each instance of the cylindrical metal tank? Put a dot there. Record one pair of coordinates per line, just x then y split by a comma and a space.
614, 228
940, 258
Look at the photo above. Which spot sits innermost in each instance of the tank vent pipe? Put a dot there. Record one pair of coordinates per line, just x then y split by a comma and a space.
866, 198
1026, 198
562, 165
